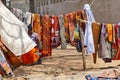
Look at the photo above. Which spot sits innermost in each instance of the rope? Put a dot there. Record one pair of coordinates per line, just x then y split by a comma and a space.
92, 3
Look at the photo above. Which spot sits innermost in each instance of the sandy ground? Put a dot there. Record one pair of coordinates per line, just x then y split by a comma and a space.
64, 64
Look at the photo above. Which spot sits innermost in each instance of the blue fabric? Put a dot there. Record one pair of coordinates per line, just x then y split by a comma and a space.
29, 27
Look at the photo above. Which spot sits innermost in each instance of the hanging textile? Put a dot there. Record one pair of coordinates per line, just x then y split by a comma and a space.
55, 32
104, 49
4, 66
83, 17
116, 43
12, 59
88, 39
28, 18
96, 28
30, 57
14, 34
66, 24
62, 32
90, 43
36, 25
72, 28
46, 36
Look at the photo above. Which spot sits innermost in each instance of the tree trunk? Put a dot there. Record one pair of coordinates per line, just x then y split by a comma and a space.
32, 6
4, 2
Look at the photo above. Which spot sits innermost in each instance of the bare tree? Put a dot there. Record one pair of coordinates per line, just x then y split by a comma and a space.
4, 2
32, 6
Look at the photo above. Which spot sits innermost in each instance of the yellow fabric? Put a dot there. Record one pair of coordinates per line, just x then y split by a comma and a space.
110, 32
76, 34
36, 25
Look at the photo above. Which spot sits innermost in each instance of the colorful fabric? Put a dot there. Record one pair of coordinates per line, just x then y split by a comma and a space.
115, 45
30, 57
96, 32
72, 25
110, 32
13, 60
36, 25
14, 35
55, 32
62, 32
4, 65
66, 24
46, 36
104, 49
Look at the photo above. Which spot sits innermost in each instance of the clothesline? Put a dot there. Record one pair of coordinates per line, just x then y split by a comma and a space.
92, 3
85, 21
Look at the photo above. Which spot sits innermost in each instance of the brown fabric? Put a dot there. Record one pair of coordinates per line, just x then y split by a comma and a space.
83, 17
46, 36
96, 32
12, 59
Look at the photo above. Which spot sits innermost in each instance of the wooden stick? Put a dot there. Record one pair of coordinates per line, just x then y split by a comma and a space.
83, 50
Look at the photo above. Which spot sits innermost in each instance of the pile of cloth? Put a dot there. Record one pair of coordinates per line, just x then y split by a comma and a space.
110, 74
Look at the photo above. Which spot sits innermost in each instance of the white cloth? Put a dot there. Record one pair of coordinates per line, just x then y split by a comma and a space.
28, 17
88, 38
13, 32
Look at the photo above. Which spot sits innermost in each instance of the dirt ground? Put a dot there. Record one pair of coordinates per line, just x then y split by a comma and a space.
63, 62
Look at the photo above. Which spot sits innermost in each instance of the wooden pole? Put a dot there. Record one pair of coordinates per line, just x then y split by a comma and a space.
83, 50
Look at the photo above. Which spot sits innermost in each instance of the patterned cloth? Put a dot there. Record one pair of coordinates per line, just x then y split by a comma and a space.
55, 32
46, 36
116, 43
4, 66
66, 24
36, 25
72, 24
104, 49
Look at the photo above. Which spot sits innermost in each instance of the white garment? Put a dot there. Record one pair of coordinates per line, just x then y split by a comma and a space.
28, 17
88, 38
13, 34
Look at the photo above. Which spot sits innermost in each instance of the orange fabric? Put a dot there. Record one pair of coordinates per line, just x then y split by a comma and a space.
96, 32
10, 57
110, 32
30, 57
66, 25
36, 25
46, 36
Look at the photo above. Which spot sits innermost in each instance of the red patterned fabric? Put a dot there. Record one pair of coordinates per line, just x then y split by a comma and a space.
116, 44
72, 28
55, 32
46, 36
